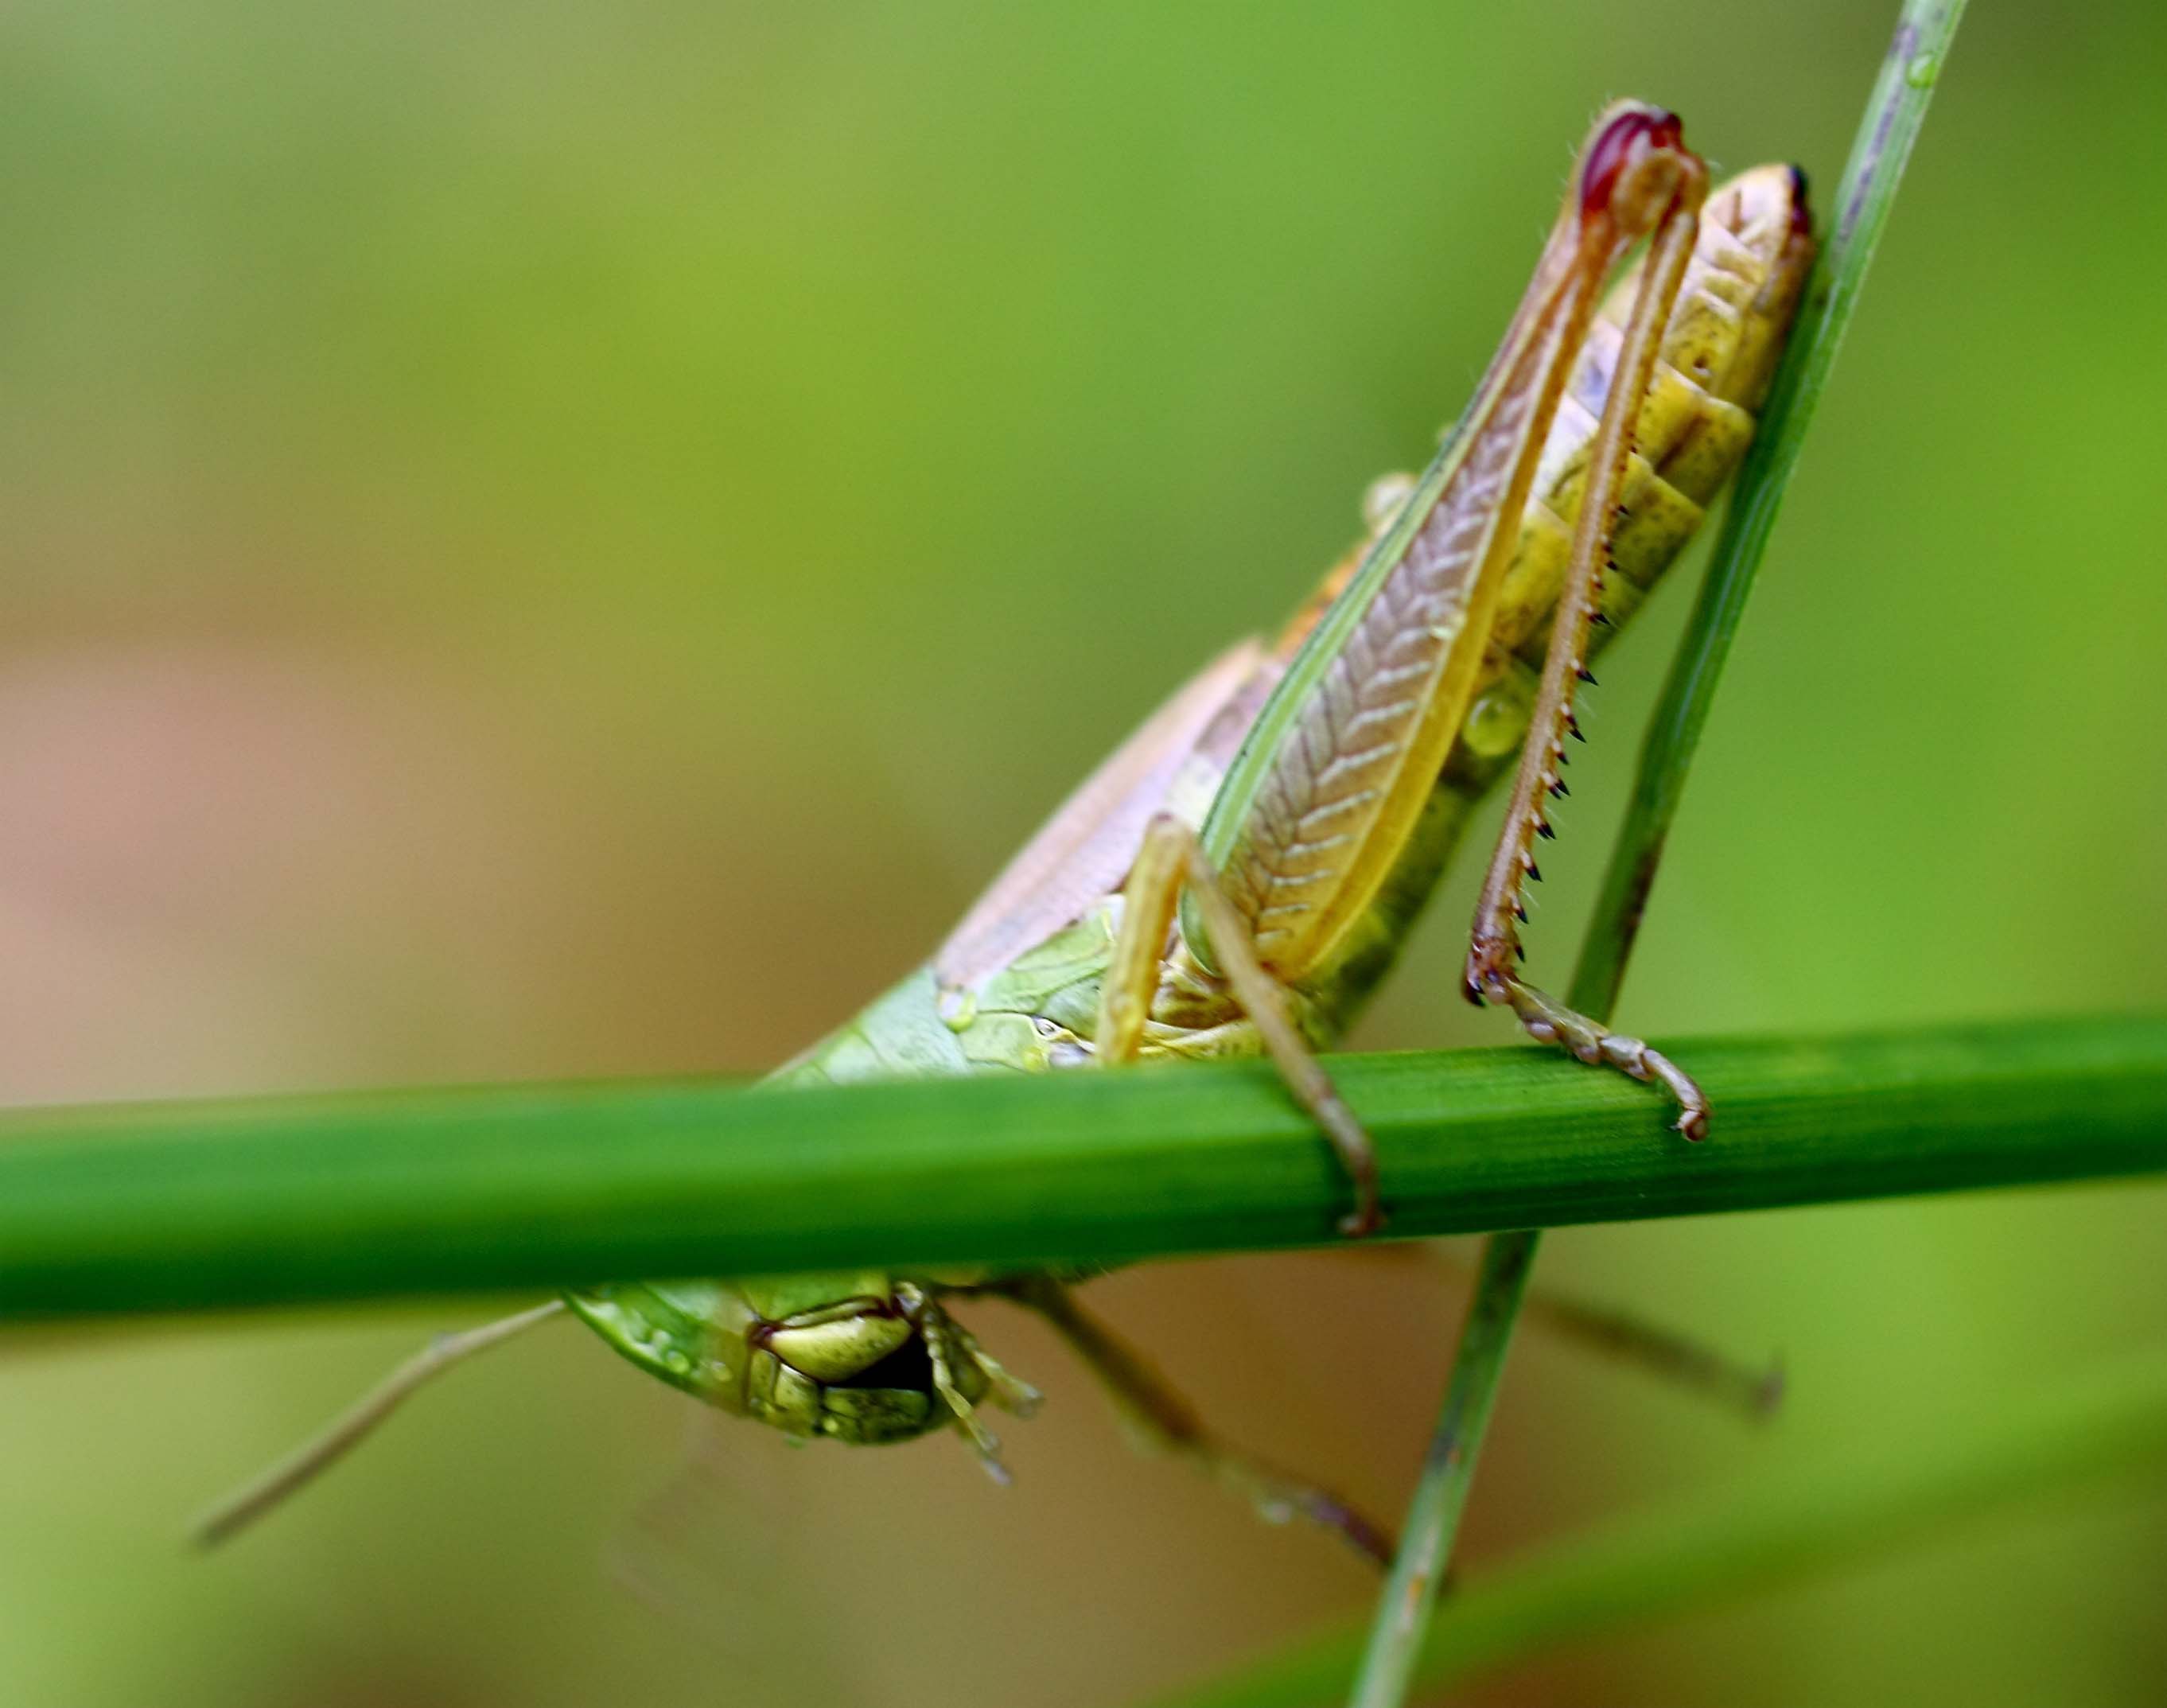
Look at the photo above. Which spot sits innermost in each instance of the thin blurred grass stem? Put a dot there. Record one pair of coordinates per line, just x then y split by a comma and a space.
1895, 113
1721, 1545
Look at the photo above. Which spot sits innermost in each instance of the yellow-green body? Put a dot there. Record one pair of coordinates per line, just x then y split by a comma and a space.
843, 1355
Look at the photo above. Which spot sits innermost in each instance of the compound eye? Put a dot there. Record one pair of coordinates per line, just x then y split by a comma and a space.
841, 1351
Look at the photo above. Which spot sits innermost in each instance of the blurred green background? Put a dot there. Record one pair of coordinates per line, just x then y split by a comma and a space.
555, 540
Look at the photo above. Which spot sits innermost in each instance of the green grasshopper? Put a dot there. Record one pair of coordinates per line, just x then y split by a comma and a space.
1240, 875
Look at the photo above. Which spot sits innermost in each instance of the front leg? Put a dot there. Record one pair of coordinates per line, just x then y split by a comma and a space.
961, 1369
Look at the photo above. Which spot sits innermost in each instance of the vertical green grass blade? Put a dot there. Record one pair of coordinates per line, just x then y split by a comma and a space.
1895, 113
1402, 1618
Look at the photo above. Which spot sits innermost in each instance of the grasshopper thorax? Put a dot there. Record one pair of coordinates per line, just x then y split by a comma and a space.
854, 1355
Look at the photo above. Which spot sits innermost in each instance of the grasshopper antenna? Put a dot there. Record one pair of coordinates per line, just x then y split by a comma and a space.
313, 1457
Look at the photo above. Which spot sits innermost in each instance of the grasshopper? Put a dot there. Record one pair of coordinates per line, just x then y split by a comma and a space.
1237, 878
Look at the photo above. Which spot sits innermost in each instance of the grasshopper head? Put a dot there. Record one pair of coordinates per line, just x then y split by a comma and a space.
850, 1355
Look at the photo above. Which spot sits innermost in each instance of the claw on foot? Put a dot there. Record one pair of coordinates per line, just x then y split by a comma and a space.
1549, 1022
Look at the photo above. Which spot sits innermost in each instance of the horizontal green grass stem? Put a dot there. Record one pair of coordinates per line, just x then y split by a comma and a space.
194, 1206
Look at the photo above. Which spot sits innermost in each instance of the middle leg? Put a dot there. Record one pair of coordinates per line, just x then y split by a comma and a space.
1161, 1418
1172, 860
